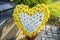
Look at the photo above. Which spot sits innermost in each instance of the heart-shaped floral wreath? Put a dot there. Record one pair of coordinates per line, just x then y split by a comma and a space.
31, 20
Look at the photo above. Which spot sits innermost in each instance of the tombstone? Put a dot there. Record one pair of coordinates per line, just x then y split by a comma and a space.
6, 10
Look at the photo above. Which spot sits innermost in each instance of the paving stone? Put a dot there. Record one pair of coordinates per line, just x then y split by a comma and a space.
48, 31
55, 39
55, 35
43, 38
58, 39
58, 35
47, 38
51, 38
48, 27
59, 31
44, 35
54, 28
43, 32
54, 31
49, 35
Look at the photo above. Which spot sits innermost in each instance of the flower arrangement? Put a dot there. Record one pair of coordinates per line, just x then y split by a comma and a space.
31, 11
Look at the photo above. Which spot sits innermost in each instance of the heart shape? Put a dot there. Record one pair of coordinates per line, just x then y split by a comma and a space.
31, 20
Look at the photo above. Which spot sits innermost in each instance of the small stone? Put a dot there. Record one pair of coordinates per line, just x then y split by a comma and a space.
49, 35
48, 31
54, 28
44, 35
59, 31
47, 38
43, 38
54, 31
59, 35
55, 35
48, 26
51, 38
43, 32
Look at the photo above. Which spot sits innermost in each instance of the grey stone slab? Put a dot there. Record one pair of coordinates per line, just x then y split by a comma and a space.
5, 6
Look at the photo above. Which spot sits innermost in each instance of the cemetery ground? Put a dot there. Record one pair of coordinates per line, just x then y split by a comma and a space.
11, 32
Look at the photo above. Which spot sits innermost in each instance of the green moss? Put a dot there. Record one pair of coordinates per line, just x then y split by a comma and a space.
54, 9
32, 3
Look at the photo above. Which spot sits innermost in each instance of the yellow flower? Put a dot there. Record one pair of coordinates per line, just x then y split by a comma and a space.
34, 10
16, 10
38, 9
26, 7
42, 9
38, 6
30, 11
25, 10
43, 5
46, 8
19, 11
48, 11
22, 6
18, 6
